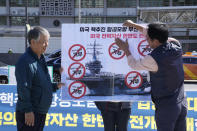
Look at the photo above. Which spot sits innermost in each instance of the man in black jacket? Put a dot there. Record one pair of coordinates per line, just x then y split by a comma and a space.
115, 115
166, 75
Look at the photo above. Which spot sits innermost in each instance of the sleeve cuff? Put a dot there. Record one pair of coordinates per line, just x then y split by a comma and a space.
27, 110
55, 88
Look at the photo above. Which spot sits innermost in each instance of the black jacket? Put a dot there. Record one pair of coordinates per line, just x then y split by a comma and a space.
167, 82
112, 106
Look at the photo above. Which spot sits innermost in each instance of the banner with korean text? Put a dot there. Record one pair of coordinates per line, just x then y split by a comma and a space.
96, 69
84, 116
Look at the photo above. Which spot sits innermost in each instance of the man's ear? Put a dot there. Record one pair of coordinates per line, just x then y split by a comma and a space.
32, 41
156, 41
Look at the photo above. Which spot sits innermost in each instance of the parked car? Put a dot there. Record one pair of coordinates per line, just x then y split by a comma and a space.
190, 66
54, 59
55, 54
4, 75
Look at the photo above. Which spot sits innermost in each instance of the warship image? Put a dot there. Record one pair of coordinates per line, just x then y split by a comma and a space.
99, 83
102, 83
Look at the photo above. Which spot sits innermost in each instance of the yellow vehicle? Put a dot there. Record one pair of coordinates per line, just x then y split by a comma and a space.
190, 65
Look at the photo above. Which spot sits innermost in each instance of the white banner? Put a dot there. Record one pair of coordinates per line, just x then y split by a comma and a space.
96, 69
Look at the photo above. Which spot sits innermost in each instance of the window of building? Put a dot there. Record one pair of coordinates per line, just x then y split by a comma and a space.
119, 19
34, 21
3, 20
90, 3
57, 7
121, 3
153, 3
3, 3
17, 3
33, 3
20, 21
22, 3
15, 21
90, 20
184, 2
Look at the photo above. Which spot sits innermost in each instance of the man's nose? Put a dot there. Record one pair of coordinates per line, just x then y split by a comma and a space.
46, 44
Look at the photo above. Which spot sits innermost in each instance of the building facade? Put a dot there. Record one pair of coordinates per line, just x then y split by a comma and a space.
180, 15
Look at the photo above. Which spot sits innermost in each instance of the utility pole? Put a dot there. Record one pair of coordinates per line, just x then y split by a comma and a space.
79, 11
137, 11
8, 10
26, 22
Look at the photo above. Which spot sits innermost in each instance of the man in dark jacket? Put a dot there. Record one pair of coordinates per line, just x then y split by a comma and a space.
34, 86
166, 75
115, 115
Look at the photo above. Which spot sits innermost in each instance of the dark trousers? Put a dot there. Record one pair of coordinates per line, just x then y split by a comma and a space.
39, 122
116, 120
171, 117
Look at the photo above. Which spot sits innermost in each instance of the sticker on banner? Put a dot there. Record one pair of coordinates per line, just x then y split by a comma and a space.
76, 71
115, 52
144, 48
77, 52
133, 79
77, 89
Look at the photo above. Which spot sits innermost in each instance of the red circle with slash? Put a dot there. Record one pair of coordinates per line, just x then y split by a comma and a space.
146, 48
73, 90
136, 80
113, 52
74, 75
77, 52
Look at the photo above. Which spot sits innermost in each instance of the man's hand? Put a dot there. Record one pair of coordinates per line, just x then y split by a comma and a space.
128, 23
29, 119
123, 46
61, 70
59, 85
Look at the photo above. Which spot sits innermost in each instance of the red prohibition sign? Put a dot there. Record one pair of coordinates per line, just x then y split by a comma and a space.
76, 71
115, 52
135, 81
142, 51
77, 52
77, 89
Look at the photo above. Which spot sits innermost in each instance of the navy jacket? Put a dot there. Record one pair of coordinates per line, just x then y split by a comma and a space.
34, 86
112, 106
167, 82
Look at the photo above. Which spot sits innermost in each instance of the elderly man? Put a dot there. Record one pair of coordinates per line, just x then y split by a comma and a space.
166, 75
34, 85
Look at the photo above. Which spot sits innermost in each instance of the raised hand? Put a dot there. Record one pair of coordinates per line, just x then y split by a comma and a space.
123, 46
128, 23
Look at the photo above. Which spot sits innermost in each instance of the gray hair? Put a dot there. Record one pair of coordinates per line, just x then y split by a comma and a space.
36, 32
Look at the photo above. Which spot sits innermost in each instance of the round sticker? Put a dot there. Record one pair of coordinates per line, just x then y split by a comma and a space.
76, 71
77, 52
133, 80
144, 48
115, 52
77, 89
